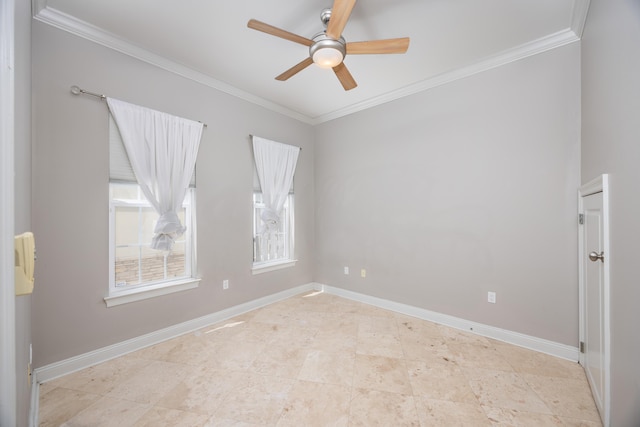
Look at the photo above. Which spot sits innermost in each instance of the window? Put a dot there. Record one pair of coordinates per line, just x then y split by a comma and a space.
132, 221
272, 250
135, 270
273, 224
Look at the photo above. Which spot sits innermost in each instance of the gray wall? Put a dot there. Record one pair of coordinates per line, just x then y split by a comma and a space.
441, 196
466, 188
23, 195
70, 196
611, 144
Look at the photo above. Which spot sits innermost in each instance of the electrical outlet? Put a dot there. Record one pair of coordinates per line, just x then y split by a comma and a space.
346, 270
363, 273
491, 297
225, 284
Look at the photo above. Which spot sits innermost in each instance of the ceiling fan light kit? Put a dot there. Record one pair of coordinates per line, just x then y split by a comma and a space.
327, 52
328, 48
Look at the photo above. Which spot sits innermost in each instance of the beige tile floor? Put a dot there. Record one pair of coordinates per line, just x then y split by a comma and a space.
321, 360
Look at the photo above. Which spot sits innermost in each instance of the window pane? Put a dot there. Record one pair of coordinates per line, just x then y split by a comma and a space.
176, 266
152, 265
148, 219
127, 218
127, 265
135, 262
124, 191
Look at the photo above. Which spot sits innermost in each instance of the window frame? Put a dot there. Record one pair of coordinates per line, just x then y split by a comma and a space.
121, 295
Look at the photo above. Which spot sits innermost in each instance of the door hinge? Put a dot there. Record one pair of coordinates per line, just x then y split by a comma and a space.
581, 218
581, 346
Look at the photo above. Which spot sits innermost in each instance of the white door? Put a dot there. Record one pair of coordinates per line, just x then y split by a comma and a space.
594, 298
593, 346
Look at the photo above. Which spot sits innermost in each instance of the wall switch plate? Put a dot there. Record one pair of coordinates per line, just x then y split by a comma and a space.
225, 284
363, 273
346, 270
491, 297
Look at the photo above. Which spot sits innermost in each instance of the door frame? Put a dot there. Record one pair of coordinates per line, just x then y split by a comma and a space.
597, 185
8, 401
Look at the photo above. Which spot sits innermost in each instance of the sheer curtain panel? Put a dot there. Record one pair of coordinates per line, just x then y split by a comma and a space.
276, 165
162, 150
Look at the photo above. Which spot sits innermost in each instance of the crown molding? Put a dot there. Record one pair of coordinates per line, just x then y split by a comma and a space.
53, 17
579, 16
97, 35
579, 11
37, 6
535, 47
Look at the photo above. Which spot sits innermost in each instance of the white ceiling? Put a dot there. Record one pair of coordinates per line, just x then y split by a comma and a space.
209, 41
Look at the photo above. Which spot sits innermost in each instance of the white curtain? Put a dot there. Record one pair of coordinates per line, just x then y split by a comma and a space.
162, 150
276, 165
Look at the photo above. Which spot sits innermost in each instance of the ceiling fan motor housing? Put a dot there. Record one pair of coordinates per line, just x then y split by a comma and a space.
325, 15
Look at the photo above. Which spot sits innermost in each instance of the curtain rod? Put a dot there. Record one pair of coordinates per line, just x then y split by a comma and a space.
251, 136
77, 91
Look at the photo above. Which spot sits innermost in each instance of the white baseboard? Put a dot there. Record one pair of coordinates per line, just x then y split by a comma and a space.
73, 364
82, 361
76, 363
34, 408
533, 343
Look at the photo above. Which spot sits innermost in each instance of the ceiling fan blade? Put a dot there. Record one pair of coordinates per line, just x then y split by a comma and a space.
379, 46
345, 76
340, 13
274, 31
295, 69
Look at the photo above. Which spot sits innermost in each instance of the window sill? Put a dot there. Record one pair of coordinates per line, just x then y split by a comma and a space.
272, 266
132, 295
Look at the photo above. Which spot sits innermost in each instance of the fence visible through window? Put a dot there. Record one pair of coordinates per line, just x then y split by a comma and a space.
149, 265
270, 246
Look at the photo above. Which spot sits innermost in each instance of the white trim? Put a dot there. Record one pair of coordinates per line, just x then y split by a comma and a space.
53, 17
152, 291
117, 296
594, 186
73, 364
97, 35
533, 343
532, 48
8, 376
579, 16
38, 5
272, 266
599, 184
34, 409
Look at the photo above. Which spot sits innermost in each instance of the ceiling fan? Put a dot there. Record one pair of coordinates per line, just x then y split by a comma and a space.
328, 48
